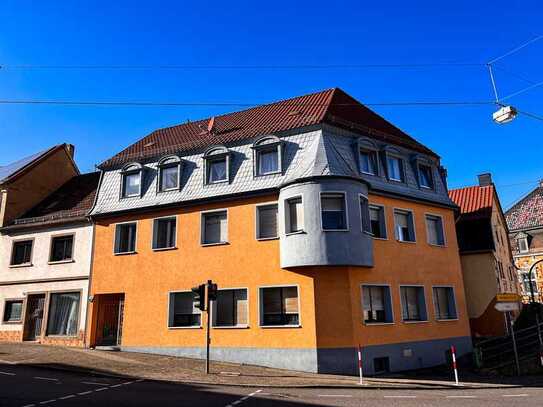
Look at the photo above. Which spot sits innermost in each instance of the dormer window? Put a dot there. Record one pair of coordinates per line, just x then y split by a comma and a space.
368, 162
426, 179
169, 173
395, 168
217, 165
131, 180
267, 155
523, 245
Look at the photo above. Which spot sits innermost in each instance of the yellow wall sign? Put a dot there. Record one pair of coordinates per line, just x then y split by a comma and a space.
510, 297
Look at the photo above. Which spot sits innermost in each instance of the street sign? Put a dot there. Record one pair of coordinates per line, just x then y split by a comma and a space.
507, 306
508, 297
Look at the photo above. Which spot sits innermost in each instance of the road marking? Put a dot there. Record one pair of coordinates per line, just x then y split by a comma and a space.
515, 395
69, 396
115, 385
335, 395
7, 373
29, 405
48, 401
460, 397
46, 378
241, 400
400, 397
95, 383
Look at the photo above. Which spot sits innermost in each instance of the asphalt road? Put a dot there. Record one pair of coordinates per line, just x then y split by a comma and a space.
33, 387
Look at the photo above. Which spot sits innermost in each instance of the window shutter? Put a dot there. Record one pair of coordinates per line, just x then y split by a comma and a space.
223, 225
431, 226
290, 300
267, 226
366, 295
240, 297
225, 310
365, 214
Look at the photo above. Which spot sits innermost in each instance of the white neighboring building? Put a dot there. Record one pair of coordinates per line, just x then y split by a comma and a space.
45, 261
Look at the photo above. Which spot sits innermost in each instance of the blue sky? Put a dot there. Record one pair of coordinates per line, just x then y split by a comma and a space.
275, 33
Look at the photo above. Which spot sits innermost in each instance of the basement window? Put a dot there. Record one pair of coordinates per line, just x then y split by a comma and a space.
183, 310
279, 306
230, 309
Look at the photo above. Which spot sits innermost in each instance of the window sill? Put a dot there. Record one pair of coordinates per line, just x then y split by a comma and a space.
217, 182
168, 190
232, 327
441, 246
447, 319
407, 241
214, 244
62, 336
267, 173
61, 262
263, 239
368, 173
164, 249
185, 327
16, 266
416, 322
379, 238
125, 253
279, 326
378, 323
131, 196
12, 322
335, 230
298, 232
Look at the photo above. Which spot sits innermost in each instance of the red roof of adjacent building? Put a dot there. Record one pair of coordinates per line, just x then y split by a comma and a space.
475, 200
528, 212
331, 106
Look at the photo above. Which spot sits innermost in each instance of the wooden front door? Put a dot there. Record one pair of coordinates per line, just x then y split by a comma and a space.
34, 317
110, 317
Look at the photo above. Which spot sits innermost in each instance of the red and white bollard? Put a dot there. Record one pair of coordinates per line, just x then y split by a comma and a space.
453, 353
360, 365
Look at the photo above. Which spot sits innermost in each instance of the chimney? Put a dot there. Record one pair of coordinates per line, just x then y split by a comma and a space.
485, 179
71, 150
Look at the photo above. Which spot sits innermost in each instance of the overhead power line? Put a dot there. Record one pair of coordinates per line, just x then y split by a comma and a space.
539, 37
228, 104
236, 67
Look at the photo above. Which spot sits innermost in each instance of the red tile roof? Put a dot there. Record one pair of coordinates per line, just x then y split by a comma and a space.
330, 106
72, 200
528, 212
474, 201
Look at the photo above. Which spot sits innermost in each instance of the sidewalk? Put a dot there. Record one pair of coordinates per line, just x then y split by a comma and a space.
185, 370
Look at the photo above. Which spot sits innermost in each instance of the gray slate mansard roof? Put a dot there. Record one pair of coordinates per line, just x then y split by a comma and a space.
308, 152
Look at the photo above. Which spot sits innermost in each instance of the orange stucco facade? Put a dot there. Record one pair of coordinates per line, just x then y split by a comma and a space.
331, 314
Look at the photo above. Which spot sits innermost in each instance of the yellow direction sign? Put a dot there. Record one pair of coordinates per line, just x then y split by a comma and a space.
508, 297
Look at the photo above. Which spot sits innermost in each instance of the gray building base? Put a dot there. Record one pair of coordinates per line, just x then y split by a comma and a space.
401, 356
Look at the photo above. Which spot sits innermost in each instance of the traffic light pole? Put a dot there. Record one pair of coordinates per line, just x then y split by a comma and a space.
208, 338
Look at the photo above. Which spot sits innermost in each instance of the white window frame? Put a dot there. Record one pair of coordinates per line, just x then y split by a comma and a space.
153, 233
435, 215
286, 204
53, 237
261, 307
525, 240
383, 208
241, 326
432, 180
344, 194
23, 307
402, 167
267, 143
362, 285
394, 210
169, 309
425, 303
127, 170
257, 223
135, 240
163, 164
211, 155
375, 153
452, 287
47, 307
203, 214
27, 264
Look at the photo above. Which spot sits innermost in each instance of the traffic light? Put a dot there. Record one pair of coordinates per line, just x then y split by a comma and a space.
212, 291
200, 296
